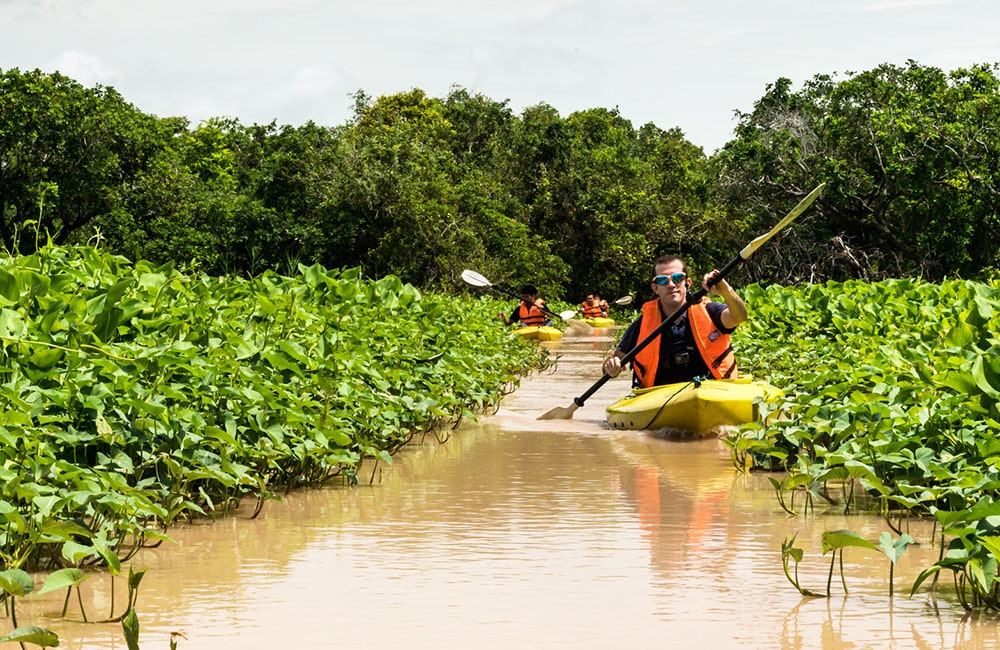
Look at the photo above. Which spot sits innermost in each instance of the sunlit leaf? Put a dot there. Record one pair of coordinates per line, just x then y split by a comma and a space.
37, 635
986, 372
837, 539
9, 289
16, 582
894, 547
130, 629
62, 579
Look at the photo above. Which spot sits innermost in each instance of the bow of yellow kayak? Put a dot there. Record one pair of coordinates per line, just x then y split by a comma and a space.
699, 407
539, 333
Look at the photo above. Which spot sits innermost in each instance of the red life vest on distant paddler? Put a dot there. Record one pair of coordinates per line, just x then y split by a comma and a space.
712, 344
591, 311
531, 316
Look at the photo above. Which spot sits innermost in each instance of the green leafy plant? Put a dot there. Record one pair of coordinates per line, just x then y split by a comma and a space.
135, 396
893, 547
891, 409
790, 552
834, 542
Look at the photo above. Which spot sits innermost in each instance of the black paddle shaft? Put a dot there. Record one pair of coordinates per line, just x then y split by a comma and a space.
692, 298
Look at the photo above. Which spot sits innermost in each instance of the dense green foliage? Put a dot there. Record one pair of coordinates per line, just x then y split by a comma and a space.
132, 396
892, 386
422, 187
137, 394
909, 155
413, 186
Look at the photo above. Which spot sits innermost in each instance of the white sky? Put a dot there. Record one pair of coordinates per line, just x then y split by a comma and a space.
676, 63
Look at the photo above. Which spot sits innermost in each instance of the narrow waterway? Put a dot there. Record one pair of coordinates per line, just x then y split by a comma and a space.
520, 533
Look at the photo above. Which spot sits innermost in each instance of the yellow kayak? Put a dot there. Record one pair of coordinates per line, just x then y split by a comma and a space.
699, 407
599, 322
539, 333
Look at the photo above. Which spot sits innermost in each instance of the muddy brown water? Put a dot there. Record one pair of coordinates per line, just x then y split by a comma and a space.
521, 533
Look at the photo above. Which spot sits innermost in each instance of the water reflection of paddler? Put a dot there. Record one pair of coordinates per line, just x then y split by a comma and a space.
679, 500
709, 506
706, 503
647, 497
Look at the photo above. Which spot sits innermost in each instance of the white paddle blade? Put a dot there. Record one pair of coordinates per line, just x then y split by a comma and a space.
750, 248
475, 279
578, 327
624, 300
566, 315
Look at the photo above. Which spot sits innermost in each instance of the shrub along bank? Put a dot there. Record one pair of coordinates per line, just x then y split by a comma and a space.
891, 402
133, 396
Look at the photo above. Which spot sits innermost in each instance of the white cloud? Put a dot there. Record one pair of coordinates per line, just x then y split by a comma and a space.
86, 68
676, 63
890, 5
473, 12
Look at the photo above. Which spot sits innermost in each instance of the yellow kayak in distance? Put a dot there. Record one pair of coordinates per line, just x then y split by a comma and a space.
696, 406
539, 332
600, 322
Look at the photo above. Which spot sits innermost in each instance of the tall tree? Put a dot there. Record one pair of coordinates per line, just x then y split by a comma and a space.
910, 158
608, 198
502, 243
398, 161
294, 176
68, 154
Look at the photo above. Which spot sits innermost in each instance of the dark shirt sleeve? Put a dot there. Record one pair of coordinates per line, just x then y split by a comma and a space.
515, 316
715, 310
630, 338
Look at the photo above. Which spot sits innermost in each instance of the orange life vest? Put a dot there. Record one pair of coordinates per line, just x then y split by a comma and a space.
591, 311
713, 345
531, 316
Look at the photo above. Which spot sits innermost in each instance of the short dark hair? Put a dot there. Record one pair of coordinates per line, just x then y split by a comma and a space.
529, 290
668, 259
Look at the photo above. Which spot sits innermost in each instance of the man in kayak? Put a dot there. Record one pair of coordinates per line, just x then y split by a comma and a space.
603, 303
529, 312
695, 345
591, 307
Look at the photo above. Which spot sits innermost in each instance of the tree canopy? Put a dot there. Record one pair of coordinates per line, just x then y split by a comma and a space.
423, 187
909, 155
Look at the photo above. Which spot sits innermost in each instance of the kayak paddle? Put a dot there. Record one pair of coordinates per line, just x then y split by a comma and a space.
477, 280
560, 413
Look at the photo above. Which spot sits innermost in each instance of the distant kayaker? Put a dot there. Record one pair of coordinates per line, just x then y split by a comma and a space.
529, 312
603, 303
591, 307
695, 345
